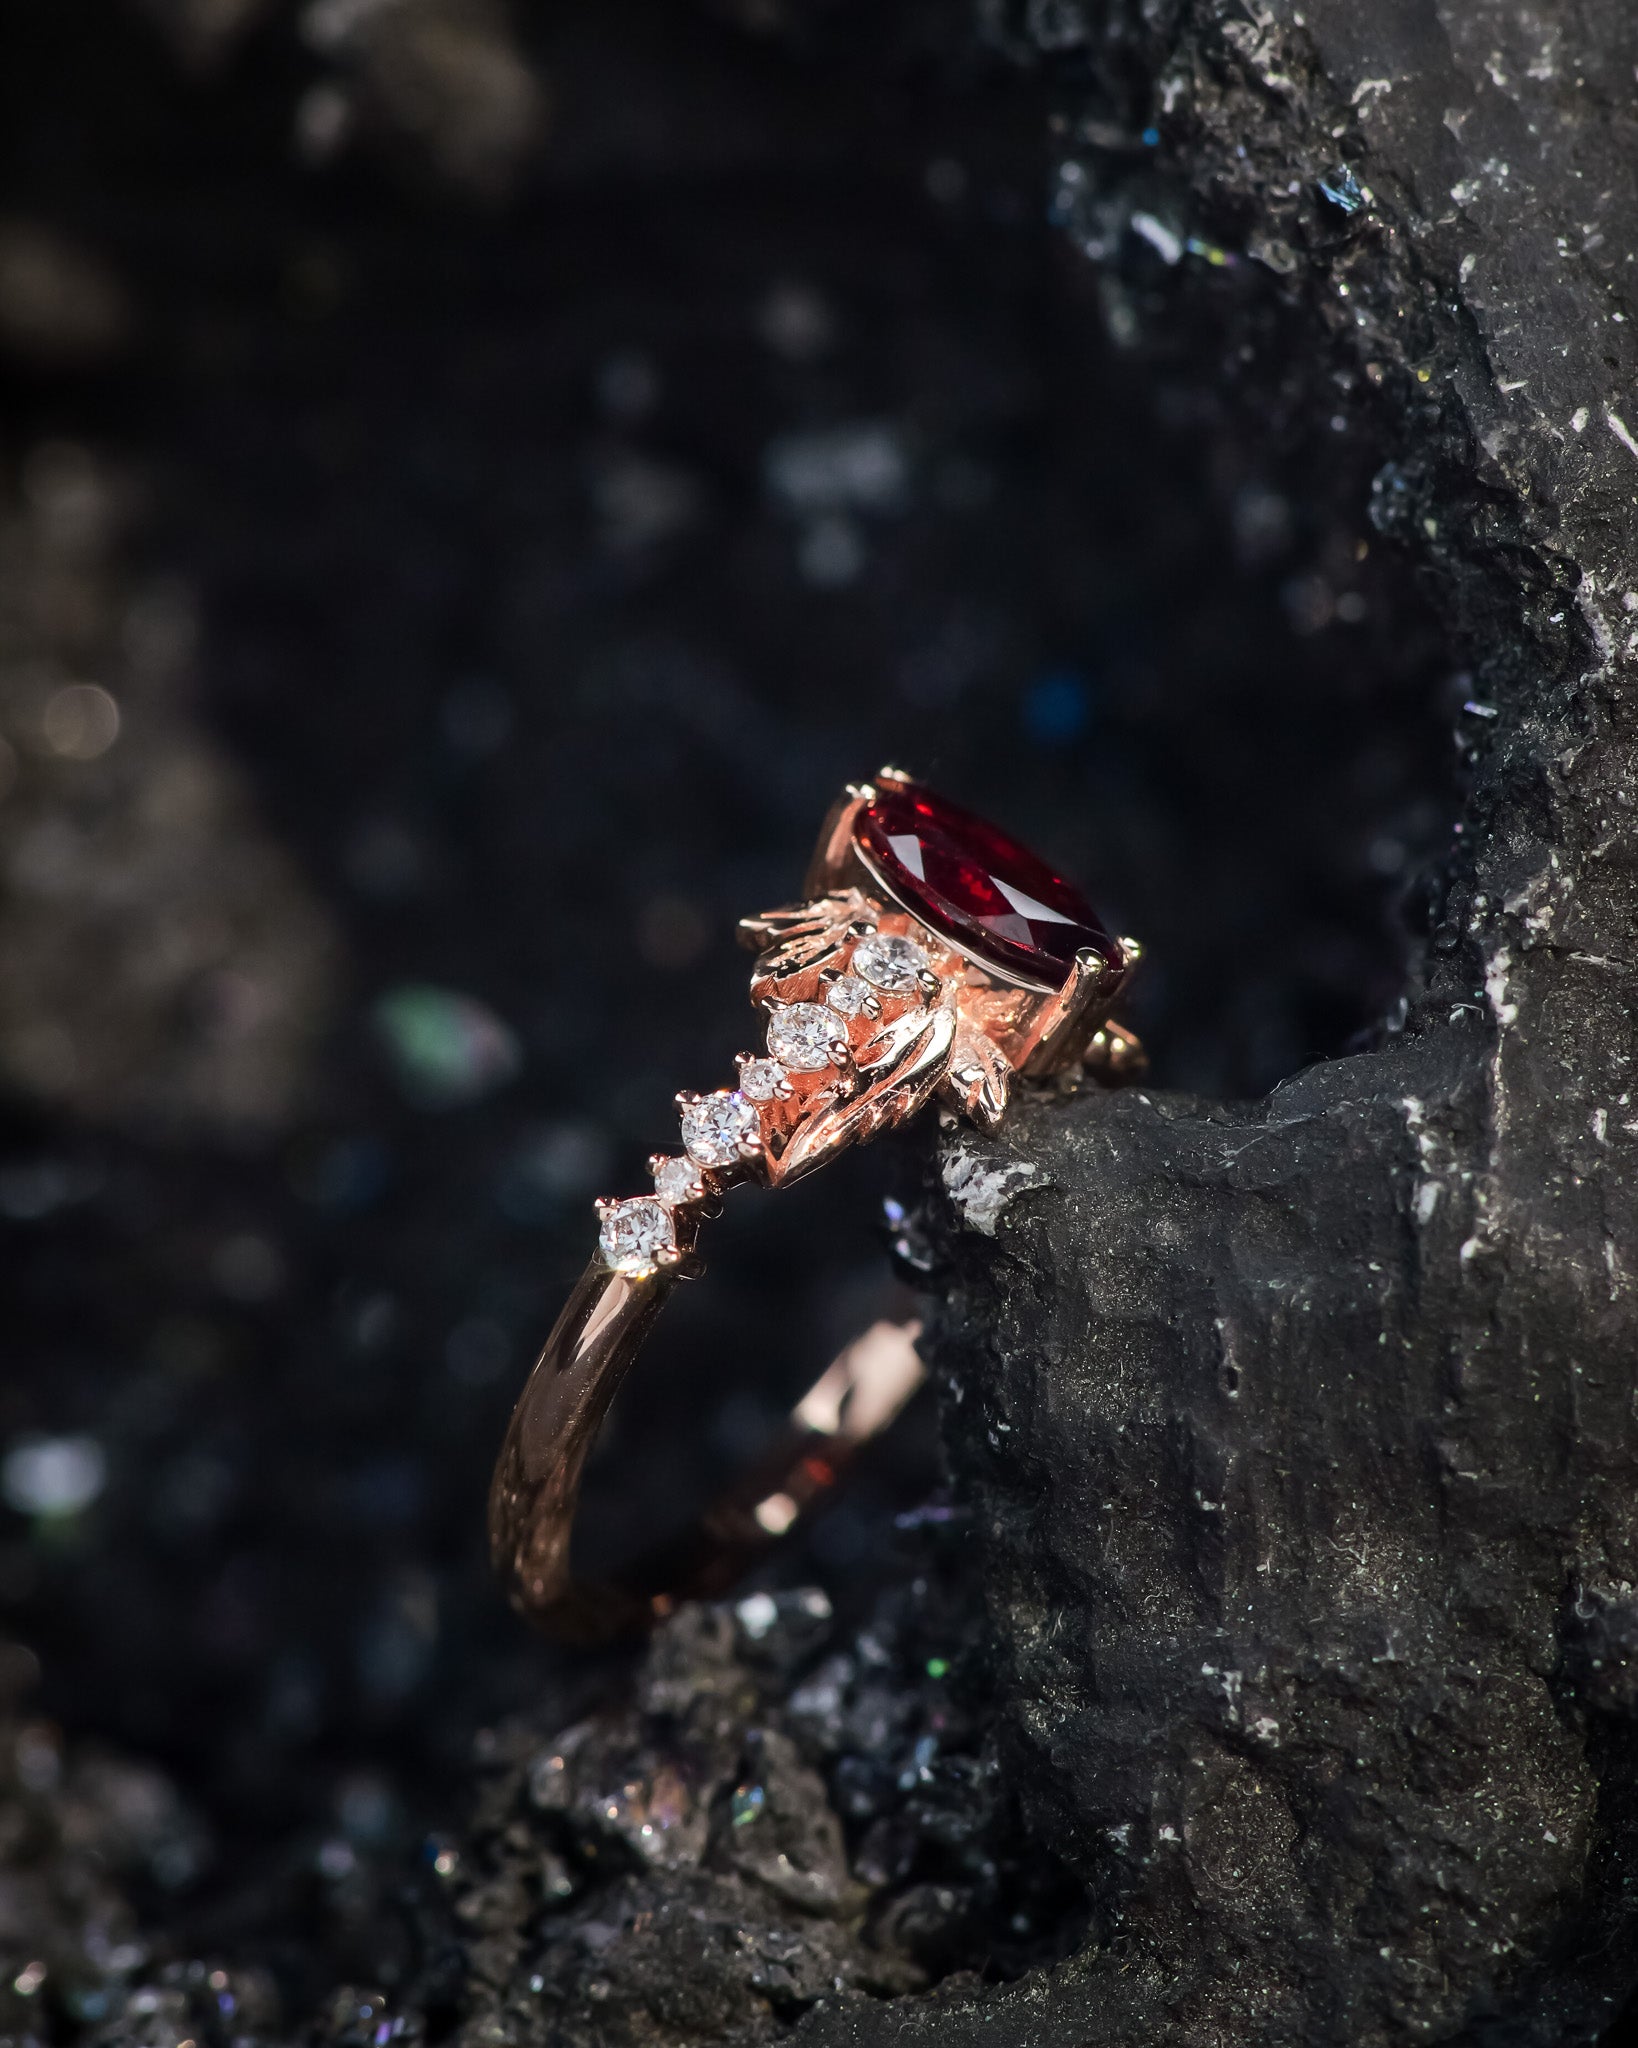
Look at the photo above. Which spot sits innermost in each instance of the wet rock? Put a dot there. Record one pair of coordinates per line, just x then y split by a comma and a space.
448, 74
1297, 1432
710, 1853
60, 306
167, 965
203, 32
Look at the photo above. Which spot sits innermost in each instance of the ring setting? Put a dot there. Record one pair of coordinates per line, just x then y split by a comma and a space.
932, 956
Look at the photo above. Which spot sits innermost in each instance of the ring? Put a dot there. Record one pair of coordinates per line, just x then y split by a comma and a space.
933, 955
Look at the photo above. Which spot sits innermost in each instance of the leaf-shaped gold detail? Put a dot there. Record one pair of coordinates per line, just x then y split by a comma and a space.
979, 1075
899, 1070
799, 936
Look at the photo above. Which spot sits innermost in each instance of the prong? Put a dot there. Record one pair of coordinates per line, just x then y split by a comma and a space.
685, 1098
841, 1052
860, 792
828, 974
895, 775
670, 1256
1131, 951
749, 1148
604, 1204
1114, 1056
1064, 1021
872, 1007
862, 928
929, 984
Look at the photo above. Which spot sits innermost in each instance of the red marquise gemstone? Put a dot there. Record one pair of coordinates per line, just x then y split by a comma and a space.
967, 879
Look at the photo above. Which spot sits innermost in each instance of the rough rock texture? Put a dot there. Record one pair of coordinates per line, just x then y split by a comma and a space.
1302, 1434
781, 1817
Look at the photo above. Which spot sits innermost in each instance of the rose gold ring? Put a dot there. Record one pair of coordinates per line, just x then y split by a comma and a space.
932, 956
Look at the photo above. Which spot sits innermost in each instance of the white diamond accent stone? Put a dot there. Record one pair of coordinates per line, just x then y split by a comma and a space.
635, 1233
889, 962
848, 996
677, 1180
801, 1036
714, 1128
761, 1080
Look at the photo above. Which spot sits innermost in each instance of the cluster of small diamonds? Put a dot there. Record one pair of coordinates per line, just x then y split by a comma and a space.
640, 1235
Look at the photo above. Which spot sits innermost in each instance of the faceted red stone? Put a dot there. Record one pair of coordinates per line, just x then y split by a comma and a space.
970, 881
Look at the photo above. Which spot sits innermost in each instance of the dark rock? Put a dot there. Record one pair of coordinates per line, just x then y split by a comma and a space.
782, 1817
1300, 1434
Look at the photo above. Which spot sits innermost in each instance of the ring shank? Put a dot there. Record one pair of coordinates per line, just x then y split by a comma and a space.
592, 1347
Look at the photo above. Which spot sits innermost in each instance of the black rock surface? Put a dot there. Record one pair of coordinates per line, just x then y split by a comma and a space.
1301, 1436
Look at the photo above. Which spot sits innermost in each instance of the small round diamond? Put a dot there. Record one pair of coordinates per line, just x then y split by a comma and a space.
715, 1127
636, 1233
676, 1180
761, 1080
889, 962
801, 1036
848, 996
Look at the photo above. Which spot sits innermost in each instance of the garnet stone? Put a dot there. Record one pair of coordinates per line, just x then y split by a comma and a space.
965, 878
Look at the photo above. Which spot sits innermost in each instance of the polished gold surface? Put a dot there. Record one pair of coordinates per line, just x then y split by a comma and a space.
952, 1030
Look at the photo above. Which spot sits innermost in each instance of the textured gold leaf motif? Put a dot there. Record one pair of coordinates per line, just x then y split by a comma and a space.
799, 936
979, 1077
897, 1071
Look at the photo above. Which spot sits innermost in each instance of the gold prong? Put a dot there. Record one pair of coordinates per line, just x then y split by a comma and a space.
860, 792
872, 1007
893, 775
1091, 969
1115, 1056
841, 1052
1131, 951
669, 1257
929, 984
685, 1098
1064, 1020
749, 1148
861, 928
604, 1204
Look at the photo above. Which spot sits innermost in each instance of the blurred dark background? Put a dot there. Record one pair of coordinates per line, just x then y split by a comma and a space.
471, 489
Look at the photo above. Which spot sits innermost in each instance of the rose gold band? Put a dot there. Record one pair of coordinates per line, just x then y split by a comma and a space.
877, 1000
537, 1481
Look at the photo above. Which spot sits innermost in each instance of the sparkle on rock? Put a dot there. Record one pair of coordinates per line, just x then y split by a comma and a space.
847, 996
889, 963
715, 1127
761, 1080
634, 1234
675, 1180
801, 1036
